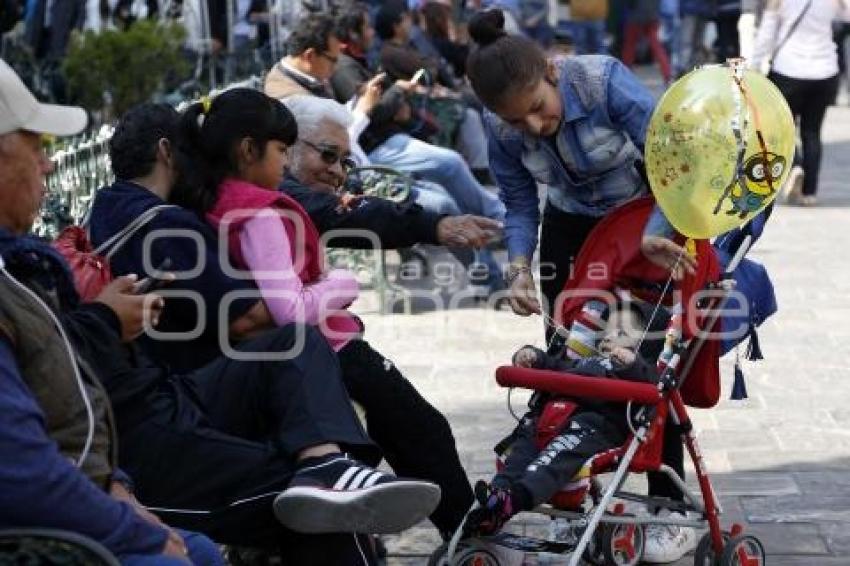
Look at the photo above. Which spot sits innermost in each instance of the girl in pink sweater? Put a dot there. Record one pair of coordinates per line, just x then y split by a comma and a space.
237, 152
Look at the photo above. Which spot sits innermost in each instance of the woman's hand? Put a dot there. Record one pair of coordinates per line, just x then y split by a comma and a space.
523, 293
371, 96
668, 255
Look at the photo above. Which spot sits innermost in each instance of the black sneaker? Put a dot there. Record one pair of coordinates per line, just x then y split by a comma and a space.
496, 509
335, 494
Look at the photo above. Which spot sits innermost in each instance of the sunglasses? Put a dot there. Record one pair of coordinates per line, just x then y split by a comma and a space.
331, 155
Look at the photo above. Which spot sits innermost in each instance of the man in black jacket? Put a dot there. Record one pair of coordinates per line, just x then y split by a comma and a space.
318, 170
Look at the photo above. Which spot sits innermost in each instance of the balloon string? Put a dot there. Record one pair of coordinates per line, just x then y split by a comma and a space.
661, 298
560, 327
737, 128
759, 135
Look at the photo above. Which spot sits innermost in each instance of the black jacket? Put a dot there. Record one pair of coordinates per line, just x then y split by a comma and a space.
395, 225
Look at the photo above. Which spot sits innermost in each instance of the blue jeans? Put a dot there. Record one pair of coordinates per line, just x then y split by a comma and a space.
202, 552
589, 37
442, 166
671, 26
434, 198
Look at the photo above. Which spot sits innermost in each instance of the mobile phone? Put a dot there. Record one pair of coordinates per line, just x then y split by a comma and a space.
418, 76
158, 281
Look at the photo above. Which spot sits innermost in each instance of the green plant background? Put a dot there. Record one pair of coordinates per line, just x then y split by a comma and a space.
112, 70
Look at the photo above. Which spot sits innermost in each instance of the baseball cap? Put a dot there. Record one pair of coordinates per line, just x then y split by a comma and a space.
19, 110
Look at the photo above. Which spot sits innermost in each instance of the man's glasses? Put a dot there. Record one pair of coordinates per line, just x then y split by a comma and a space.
331, 155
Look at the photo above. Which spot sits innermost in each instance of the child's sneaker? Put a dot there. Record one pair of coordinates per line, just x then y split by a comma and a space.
334, 494
496, 509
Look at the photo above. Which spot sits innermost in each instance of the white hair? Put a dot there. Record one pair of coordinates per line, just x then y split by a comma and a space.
311, 112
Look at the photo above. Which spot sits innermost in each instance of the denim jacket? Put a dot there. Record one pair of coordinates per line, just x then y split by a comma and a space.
590, 166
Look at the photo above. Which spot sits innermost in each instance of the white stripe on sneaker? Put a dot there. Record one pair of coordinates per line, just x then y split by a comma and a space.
372, 479
323, 464
343, 479
359, 478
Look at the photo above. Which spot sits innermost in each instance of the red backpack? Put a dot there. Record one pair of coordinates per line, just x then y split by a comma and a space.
90, 266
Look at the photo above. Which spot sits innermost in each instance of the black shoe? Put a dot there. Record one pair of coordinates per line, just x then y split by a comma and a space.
496, 509
335, 494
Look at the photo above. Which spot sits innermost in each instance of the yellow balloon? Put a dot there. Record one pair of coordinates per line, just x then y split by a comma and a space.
719, 145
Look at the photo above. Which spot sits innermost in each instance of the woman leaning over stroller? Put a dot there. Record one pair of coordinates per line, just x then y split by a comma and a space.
576, 125
238, 152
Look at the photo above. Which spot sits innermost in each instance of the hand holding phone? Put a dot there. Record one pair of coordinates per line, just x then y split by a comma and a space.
159, 280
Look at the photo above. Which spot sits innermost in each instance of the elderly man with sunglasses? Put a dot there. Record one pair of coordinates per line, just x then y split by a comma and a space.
319, 164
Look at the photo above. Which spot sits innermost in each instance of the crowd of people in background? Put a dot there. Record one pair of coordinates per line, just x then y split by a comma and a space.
677, 34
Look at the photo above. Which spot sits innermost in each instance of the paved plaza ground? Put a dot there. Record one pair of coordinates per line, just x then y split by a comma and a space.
780, 460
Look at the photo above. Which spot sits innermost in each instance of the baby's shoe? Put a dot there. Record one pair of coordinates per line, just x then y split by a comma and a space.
496, 509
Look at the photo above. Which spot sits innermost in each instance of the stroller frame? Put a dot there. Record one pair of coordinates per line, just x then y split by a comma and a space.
732, 546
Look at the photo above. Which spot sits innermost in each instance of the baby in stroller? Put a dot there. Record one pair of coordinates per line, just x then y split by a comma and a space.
620, 341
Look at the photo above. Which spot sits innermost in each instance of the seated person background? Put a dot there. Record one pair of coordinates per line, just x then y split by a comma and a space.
57, 444
440, 30
397, 401
312, 54
313, 51
224, 447
401, 60
316, 175
531, 476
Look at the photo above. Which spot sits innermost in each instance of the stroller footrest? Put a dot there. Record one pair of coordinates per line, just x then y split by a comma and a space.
581, 386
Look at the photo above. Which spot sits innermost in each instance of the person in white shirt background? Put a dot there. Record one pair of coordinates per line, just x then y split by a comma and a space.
795, 40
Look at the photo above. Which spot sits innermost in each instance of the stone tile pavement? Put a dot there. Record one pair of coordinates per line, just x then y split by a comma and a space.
780, 460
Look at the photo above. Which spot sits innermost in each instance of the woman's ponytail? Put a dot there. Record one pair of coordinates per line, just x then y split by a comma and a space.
197, 186
501, 64
487, 27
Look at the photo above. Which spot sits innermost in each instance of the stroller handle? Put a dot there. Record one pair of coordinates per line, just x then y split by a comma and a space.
581, 386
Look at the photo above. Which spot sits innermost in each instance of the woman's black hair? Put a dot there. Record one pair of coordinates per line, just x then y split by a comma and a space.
351, 23
388, 16
437, 16
501, 64
208, 142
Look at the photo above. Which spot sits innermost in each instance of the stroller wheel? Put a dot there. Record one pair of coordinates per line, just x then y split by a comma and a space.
466, 554
622, 545
743, 550
704, 554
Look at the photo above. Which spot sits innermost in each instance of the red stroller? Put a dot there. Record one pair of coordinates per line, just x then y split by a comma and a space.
688, 375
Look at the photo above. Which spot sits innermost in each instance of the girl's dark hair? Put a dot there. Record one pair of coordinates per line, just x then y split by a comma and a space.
207, 143
501, 64
388, 16
437, 17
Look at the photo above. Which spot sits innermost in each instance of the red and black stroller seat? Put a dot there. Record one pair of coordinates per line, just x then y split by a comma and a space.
610, 262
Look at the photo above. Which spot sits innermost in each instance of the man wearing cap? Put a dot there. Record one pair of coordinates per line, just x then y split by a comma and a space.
57, 450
